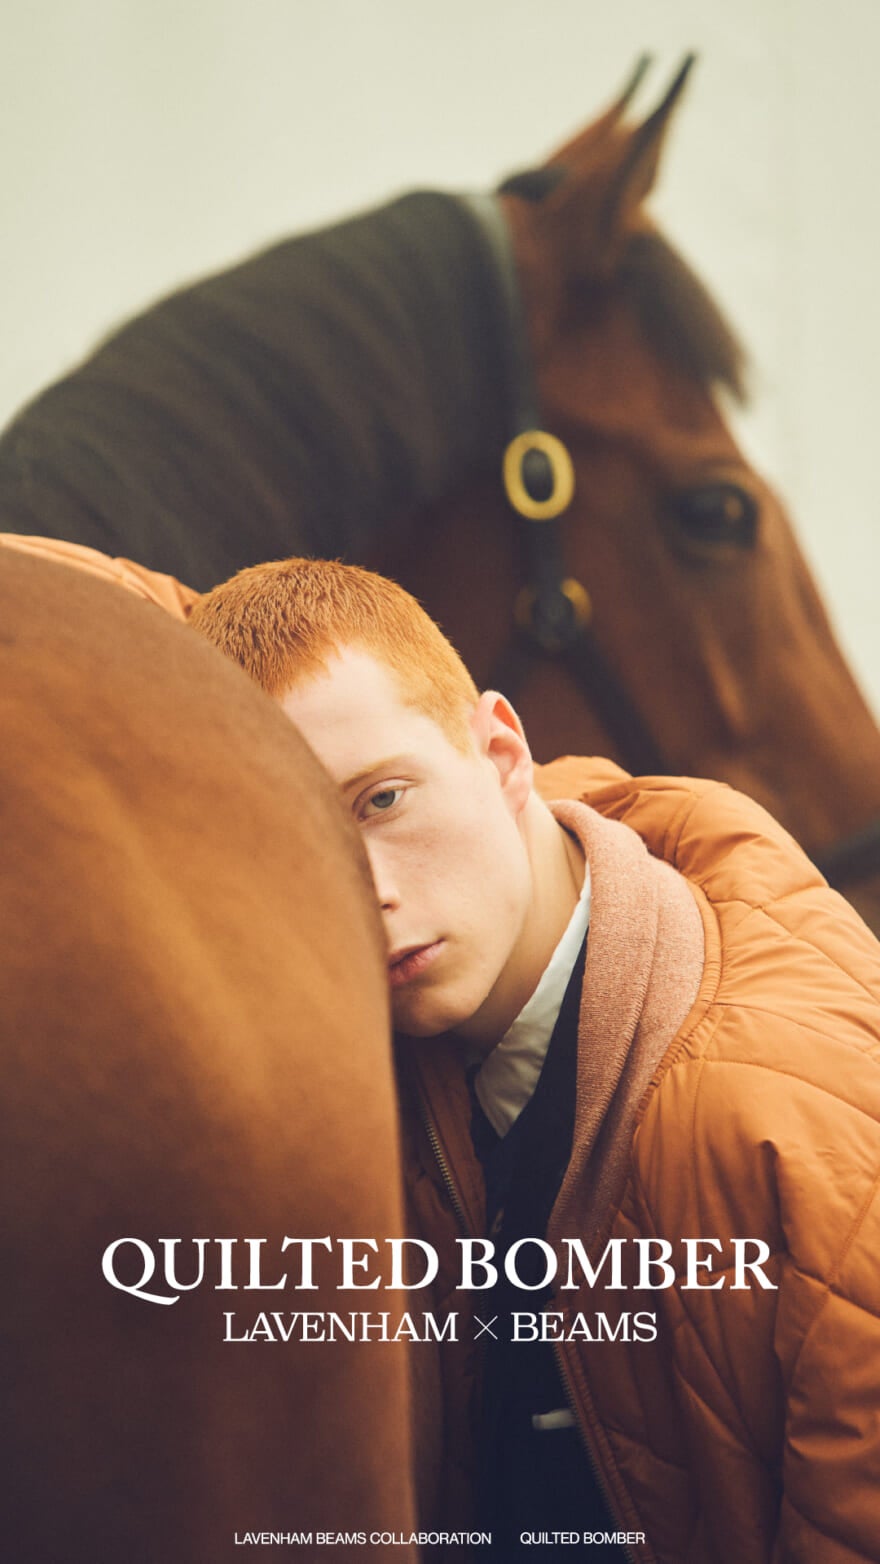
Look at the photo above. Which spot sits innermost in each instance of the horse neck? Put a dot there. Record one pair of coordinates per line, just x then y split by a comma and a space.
293, 403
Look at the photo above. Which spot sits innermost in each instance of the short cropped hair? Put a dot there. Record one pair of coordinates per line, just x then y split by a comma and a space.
283, 622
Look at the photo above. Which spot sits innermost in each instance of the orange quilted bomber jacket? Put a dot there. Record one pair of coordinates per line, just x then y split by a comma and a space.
748, 1431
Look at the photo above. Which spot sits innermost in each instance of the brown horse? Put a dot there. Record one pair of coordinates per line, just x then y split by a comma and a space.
712, 634
353, 392
195, 1044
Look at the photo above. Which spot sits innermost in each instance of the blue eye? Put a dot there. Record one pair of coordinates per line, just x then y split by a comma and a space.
380, 802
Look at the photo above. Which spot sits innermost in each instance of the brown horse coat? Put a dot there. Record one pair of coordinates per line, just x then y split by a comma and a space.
195, 1044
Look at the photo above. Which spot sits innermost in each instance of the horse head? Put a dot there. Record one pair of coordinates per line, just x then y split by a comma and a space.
692, 637
354, 392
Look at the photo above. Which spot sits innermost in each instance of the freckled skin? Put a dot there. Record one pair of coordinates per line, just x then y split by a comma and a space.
464, 856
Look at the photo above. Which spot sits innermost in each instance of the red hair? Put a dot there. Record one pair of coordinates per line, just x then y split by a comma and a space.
282, 622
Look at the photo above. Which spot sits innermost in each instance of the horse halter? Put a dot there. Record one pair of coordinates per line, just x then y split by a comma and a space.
552, 613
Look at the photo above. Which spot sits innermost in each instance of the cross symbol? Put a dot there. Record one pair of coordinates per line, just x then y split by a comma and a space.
485, 1327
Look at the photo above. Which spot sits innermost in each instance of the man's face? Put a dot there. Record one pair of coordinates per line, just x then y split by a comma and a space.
442, 832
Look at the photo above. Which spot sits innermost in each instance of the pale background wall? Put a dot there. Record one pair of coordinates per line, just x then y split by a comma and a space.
144, 141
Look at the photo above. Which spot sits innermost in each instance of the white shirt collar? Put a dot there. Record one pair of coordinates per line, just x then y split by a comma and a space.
509, 1074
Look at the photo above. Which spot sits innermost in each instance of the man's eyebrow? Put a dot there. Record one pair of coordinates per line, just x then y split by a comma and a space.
392, 763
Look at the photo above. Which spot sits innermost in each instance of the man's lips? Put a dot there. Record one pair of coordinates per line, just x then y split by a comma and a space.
410, 962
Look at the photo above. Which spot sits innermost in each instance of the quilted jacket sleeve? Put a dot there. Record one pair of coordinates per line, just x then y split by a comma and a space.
828, 1344
774, 1109
767, 1123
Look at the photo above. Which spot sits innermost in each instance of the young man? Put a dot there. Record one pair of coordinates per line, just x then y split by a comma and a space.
639, 1047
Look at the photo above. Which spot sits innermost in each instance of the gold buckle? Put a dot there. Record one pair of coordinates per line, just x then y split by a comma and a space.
561, 468
577, 595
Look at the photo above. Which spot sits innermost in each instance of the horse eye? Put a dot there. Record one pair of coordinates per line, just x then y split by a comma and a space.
716, 514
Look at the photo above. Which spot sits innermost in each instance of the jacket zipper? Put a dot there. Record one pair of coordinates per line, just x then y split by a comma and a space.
445, 1174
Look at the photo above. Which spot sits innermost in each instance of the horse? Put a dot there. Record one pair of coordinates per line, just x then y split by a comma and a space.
195, 1045
632, 584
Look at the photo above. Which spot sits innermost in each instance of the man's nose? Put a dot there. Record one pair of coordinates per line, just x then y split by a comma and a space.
383, 878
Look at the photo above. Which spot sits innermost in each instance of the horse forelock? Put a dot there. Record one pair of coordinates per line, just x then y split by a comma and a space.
682, 321
678, 315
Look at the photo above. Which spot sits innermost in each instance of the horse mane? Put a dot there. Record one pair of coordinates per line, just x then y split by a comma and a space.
301, 401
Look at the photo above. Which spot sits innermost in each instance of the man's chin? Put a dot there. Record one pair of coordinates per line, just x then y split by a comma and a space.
413, 1019
414, 1029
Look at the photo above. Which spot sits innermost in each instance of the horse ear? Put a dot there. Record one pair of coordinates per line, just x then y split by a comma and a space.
583, 144
595, 208
638, 171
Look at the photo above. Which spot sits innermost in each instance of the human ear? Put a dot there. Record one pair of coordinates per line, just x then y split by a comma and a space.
499, 736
